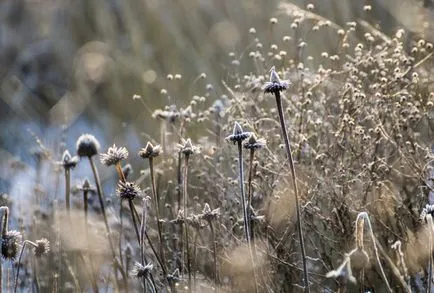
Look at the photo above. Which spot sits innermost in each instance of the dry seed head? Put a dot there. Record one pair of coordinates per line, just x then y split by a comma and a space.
150, 151
254, 143
273, 20
128, 190
139, 271
187, 148
10, 244
238, 135
42, 247
87, 145
69, 162
275, 84
114, 155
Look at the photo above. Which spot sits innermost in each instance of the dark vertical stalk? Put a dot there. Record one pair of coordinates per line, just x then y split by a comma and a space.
249, 194
156, 198
214, 248
101, 202
86, 229
185, 194
68, 190
245, 213
294, 182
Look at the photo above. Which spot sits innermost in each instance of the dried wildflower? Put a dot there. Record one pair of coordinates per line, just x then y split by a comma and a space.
170, 114
86, 186
195, 221
150, 151
114, 155
87, 145
343, 273
128, 190
254, 143
10, 243
140, 271
208, 214
428, 209
238, 134
275, 84
42, 247
187, 148
69, 162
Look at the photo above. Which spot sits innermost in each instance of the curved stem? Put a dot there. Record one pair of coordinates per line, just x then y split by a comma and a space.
294, 182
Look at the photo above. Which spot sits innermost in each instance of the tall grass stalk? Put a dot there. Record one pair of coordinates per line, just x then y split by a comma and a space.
185, 206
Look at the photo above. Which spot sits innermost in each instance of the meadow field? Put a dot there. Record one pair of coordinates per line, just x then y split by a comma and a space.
216, 146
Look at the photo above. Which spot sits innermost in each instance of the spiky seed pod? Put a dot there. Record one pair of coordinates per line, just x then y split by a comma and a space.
150, 151
238, 134
140, 271
114, 155
69, 162
187, 148
275, 84
254, 143
208, 214
42, 247
128, 190
86, 186
10, 244
87, 145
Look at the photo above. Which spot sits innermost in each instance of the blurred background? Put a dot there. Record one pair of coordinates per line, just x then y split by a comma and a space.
70, 67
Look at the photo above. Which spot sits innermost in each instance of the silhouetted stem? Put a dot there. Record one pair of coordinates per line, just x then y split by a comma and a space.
68, 190
294, 182
214, 248
185, 195
25, 242
101, 202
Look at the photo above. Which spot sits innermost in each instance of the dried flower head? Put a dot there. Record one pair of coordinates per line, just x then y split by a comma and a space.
11, 244
128, 190
170, 114
140, 271
87, 145
86, 186
150, 151
208, 214
114, 155
187, 148
428, 209
238, 134
343, 273
69, 162
254, 143
42, 247
275, 84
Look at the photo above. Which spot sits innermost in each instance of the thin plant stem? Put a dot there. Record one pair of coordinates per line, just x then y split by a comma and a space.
5, 210
86, 229
245, 213
156, 198
101, 202
249, 194
294, 182
185, 195
377, 257
25, 242
131, 205
68, 190
430, 228
214, 250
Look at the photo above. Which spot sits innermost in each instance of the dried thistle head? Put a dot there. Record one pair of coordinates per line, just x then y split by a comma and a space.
187, 148
171, 114
10, 244
86, 186
150, 151
42, 247
140, 271
208, 214
254, 143
87, 145
67, 161
128, 190
238, 135
275, 84
114, 155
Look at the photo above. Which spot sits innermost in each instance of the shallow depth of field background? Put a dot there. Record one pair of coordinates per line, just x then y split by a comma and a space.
73, 67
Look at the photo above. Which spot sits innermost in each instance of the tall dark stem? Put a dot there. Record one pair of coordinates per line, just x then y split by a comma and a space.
156, 198
214, 248
86, 229
185, 194
101, 202
4, 231
294, 182
68, 190
245, 213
